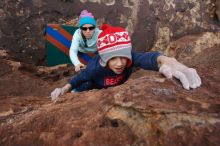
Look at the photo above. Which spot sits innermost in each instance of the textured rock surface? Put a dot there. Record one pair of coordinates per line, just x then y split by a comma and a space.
151, 23
217, 12
147, 110
188, 47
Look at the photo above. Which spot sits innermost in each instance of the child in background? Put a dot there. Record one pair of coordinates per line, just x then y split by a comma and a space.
115, 62
84, 39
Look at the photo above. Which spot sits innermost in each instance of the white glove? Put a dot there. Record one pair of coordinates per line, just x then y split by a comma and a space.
59, 92
187, 76
56, 93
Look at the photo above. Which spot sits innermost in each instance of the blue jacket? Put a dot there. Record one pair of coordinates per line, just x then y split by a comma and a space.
96, 76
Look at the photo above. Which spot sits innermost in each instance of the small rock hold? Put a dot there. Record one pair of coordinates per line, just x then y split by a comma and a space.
158, 91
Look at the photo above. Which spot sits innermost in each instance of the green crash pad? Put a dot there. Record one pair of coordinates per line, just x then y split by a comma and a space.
58, 42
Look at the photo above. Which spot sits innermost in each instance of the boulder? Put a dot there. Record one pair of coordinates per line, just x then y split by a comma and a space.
147, 110
151, 24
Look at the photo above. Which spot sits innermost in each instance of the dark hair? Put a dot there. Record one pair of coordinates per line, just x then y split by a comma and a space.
84, 40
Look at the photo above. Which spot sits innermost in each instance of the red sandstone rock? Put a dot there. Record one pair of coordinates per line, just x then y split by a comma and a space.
146, 110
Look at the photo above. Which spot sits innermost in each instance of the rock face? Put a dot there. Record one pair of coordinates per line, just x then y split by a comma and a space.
217, 5
151, 23
147, 110
187, 47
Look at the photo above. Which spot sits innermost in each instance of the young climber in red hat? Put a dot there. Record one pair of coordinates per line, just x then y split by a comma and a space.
114, 63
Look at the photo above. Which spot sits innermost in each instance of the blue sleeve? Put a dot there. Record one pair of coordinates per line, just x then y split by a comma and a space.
84, 76
147, 61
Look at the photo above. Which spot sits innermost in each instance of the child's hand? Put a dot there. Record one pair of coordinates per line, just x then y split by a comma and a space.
56, 93
79, 67
188, 76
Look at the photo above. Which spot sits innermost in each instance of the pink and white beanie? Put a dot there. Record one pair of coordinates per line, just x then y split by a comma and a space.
114, 42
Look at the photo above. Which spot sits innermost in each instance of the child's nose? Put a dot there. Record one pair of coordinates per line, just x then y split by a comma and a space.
119, 61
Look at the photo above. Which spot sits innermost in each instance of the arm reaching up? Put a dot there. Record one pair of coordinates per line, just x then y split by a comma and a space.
56, 93
170, 67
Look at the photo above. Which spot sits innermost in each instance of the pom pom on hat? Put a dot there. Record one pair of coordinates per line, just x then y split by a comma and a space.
113, 42
85, 13
86, 18
104, 26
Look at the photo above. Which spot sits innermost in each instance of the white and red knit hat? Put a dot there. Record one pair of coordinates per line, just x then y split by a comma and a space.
113, 42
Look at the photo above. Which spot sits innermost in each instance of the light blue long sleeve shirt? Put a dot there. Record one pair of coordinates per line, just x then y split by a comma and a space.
79, 45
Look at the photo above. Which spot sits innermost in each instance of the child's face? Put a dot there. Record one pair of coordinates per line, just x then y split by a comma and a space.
88, 30
117, 64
